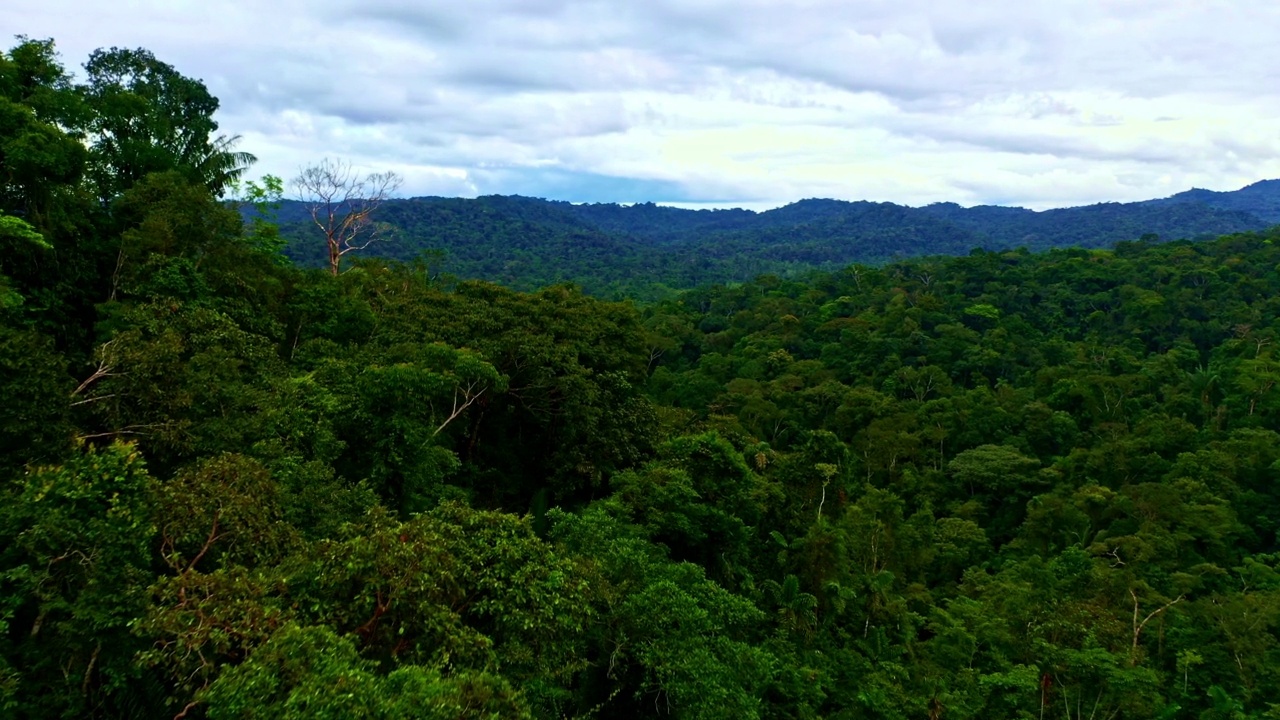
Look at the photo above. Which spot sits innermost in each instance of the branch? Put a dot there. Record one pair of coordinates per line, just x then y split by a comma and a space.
103, 370
468, 398
1137, 627
208, 543
88, 672
86, 401
127, 430
380, 608
189, 707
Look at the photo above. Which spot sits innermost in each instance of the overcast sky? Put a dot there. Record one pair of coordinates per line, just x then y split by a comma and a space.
728, 102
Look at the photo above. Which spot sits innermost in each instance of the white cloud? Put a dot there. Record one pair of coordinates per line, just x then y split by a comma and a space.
743, 101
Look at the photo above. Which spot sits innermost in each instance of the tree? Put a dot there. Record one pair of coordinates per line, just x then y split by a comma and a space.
310, 672
674, 639
261, 198
41, 158
342, 203
75, 562
147, 117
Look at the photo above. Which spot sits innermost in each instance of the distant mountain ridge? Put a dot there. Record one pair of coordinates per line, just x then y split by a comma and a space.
611, 249
1261, 199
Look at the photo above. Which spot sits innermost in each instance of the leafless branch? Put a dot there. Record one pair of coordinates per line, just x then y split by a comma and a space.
463, 398
1138, 626
208, 543
106, 363
341, 204
128, 430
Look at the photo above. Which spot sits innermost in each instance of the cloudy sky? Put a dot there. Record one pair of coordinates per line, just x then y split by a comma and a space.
728, 102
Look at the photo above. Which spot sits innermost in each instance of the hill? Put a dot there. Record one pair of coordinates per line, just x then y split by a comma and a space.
610, 249
1261, 199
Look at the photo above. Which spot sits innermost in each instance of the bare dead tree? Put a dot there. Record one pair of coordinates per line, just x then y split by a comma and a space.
342, 202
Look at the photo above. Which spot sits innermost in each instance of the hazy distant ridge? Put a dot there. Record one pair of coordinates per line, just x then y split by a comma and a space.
528, 242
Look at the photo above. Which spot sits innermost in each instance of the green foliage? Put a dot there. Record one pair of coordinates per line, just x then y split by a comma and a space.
263, 198
75, 566
35, 416
40, 149
309, 672
998, 485
670, 635
12, 228
146, 118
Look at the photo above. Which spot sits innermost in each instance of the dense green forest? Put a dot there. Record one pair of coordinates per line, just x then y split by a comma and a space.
999, 485
646, 251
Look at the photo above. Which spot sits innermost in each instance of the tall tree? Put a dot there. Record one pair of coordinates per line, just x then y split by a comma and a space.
41, 155
147, 117
342, 203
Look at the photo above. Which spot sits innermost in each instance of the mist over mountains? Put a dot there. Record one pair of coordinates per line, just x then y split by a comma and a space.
529, 242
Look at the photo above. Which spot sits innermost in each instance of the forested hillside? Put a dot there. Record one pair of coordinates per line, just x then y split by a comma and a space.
1001, 485
1261, 199
646, 250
